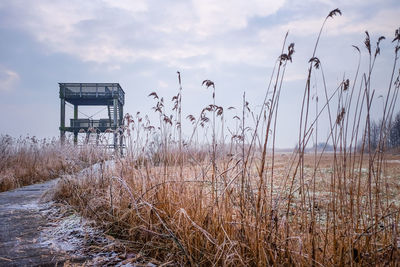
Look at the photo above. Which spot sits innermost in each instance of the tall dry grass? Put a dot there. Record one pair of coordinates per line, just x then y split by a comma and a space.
29, 160
239, 203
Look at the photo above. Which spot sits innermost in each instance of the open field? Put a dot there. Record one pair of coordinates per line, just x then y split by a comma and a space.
183, 220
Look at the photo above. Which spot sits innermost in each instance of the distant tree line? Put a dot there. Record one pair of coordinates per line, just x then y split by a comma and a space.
395, 132
386, 138
390, 134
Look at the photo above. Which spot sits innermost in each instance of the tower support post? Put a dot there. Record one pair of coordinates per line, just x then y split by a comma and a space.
75, 118
115, 122
62, 121
121, 123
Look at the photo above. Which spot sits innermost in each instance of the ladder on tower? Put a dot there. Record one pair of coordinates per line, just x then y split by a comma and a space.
111, 112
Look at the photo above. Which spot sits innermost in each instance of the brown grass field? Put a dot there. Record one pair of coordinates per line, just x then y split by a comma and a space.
173, 219
26, 161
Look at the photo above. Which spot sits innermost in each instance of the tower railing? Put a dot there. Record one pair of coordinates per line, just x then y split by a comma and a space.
82, 90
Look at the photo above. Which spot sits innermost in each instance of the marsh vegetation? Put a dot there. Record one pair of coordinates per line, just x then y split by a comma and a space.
219, 197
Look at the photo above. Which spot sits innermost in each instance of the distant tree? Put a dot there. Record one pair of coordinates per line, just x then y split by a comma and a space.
375, 132
372, 136
394, 134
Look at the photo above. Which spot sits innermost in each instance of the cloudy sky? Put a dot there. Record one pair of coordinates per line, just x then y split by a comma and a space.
142, 44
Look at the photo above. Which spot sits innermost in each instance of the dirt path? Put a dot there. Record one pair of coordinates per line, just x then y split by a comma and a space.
21, 221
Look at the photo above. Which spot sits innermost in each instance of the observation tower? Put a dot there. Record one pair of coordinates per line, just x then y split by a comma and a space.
110, 95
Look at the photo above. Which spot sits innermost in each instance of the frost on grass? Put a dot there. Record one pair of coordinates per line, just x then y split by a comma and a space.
80, 238
65, 232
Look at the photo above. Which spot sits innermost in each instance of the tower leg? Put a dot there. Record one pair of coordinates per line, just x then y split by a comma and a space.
121, 143
62, 121
75, 118
115, 123
121, 123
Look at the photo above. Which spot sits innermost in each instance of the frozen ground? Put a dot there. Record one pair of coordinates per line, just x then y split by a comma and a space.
38, 232
21, 221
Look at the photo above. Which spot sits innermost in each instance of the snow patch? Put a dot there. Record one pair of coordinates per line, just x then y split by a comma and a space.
68, 233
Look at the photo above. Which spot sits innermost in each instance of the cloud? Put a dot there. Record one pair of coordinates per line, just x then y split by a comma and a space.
215, 17
128, 5
8, 79
180, 33
105, 31
162, 84
383, 22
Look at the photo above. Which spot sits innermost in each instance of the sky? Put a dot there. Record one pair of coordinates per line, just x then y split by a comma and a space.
141, 44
